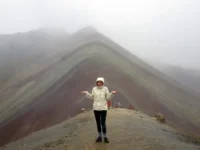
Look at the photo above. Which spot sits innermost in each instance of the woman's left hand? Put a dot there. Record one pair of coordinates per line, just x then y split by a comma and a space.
114, 92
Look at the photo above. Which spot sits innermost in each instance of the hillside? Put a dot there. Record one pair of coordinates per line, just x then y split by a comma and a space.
23, 54
188, 77
127, 130
52, 94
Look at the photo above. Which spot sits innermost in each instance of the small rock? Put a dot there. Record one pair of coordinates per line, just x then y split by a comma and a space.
160, 117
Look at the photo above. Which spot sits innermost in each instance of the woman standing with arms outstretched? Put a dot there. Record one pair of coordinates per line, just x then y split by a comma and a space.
100, 94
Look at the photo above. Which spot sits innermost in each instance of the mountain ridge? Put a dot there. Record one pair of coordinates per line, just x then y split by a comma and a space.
78, 61
141, 132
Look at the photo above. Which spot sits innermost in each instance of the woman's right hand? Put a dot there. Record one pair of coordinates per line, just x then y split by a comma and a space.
84, 92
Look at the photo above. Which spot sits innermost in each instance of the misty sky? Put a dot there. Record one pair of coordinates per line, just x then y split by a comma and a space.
161, 30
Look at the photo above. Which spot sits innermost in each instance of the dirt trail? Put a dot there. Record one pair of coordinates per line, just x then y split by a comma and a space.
126, 130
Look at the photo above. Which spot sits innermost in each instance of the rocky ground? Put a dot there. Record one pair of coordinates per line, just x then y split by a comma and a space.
126, 130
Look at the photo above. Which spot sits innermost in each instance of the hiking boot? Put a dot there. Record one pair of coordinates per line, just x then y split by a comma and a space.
99, 139
106, 140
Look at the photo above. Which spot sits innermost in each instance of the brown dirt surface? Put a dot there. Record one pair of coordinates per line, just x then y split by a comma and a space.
127, 129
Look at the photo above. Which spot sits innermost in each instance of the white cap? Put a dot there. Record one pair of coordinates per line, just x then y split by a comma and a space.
100, 79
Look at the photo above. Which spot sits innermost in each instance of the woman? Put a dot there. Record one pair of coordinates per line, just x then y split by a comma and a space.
100, 94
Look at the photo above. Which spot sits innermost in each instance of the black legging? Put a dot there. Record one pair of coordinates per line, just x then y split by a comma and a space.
100, 117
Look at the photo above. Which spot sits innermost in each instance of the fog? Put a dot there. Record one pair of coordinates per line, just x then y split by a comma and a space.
166, 31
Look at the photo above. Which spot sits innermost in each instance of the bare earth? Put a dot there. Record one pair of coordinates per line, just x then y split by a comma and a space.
126, 130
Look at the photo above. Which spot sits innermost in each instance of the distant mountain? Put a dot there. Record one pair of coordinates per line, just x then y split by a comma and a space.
45, 74
22, 54
188, 77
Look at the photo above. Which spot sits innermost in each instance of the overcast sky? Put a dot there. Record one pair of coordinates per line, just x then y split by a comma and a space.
161, 30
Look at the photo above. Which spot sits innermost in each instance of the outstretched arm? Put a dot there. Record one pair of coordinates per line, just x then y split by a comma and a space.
109, 95
88, 95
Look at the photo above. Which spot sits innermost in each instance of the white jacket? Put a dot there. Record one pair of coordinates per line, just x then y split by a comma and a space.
100, 95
